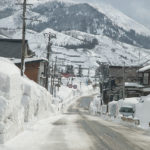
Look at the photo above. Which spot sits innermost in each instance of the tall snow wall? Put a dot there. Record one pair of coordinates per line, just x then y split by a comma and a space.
21, 101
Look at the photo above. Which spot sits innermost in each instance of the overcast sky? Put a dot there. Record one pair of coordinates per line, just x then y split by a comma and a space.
139, 10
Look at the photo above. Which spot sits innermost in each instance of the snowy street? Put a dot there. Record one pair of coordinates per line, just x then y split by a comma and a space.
74, 75
77, 130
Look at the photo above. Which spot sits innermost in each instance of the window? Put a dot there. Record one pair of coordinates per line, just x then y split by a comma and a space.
145, 78
140, 74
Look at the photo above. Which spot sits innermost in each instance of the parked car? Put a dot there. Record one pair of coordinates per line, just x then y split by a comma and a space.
127, 111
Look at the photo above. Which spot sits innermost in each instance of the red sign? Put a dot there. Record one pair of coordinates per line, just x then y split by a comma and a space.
75, 86
67, 75
70, 85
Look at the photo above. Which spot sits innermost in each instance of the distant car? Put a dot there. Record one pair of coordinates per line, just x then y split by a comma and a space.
127, 111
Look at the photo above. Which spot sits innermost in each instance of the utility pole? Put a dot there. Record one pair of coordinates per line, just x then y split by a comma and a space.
54, 75
23, 37
47, 65
59, 80
88, 73
123, 81
138, 79
101, 83
51, 89
103, 77
50, 36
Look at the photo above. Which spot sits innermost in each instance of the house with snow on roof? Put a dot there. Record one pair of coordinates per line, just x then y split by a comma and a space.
144, 78
34, 67
11, 48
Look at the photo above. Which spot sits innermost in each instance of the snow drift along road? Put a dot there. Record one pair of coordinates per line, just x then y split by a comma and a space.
21, 100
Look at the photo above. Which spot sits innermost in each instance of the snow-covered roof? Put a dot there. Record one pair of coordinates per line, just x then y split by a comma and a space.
128, 101
17, 61
144, 68
146, 89
132, 84
7, 67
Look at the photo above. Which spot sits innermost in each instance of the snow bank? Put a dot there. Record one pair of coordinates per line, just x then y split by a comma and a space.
95, 105
141, 106
21, 100
66, 96
128, 102
113, 108
143, 111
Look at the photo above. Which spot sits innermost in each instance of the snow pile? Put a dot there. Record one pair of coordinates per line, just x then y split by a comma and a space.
104, 109
21, 100
114, 106
128, 102
144, 68
143, 111
113, 109
133, 84
141, 106
95, 105
66, 96
61, 99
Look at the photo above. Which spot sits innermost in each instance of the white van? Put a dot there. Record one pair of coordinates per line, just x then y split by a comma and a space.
127, 111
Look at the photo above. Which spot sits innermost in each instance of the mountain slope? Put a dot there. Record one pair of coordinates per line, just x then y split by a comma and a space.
63, 16
121, 19
106, 50
80, 29
83, 17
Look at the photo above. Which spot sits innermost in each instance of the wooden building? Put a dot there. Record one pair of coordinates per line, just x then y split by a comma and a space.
144, 75
11, 48
144, 79
130, 73
114, 87
133, 89
35, 69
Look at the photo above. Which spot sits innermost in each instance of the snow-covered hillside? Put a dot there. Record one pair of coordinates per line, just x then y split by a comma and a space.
121, 19
65, 15
94, 33
77, 43
116, 16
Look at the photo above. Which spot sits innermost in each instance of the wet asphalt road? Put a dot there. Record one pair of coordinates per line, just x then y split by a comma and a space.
76, 129
102, 137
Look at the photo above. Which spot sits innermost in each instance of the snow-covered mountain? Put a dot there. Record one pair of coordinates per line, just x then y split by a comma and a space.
95, 33
63, 16
86, 18
101, 48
